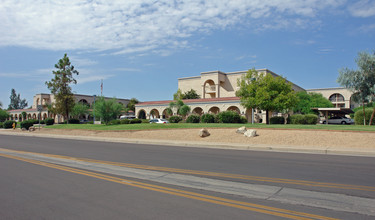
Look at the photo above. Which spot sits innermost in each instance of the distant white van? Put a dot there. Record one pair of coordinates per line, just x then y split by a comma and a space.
127, 117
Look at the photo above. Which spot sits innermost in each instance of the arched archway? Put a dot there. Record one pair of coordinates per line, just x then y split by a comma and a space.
44, 116
83, 102
34, 116
209, 88
166, 114
154, 113
197, 111
235, 109
142, 114
29, 116
214, 110
338, 100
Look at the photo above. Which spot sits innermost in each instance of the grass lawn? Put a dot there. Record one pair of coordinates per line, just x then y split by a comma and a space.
145, 126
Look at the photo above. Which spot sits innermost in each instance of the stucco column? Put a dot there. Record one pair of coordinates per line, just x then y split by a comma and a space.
217, 90
203, 92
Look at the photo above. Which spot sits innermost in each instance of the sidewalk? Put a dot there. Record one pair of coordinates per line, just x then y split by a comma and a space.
331, 150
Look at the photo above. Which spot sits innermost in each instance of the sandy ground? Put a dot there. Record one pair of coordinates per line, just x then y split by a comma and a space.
342, 139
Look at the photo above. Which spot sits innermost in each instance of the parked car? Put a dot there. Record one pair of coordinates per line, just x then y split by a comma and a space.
158, 121
338, 120
130, 117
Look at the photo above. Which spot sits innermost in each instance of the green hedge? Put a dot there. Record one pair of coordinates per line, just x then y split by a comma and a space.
125, 121
145, 121
277, 120
1, 124
175, 119
310, 119
27, 124
193, 119
114, 122
49, 121
208, 118
73, 121
8, 124
358, 117
135, 121
228, 117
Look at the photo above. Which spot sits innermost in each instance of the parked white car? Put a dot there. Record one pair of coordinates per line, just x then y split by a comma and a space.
159, 121
338, 120
127, 117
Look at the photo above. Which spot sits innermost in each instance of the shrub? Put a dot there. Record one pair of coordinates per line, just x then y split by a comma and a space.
208, 118
311, 119
125, 121
8, 124
49, 121
145, 121
243, 120
297, 119
114, 122
1, 124
277, 120
175, 119
27, 124
135, 121
73, 121
228, 117
358, 117
193, 119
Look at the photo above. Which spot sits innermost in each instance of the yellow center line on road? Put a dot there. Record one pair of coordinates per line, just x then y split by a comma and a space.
182, 193
204, 173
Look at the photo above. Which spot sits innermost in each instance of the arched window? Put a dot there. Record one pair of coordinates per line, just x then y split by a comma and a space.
336, 98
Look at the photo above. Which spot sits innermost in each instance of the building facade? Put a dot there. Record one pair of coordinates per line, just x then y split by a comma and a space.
217, 91
44, 100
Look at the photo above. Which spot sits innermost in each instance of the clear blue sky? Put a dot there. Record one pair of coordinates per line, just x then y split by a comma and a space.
140, 47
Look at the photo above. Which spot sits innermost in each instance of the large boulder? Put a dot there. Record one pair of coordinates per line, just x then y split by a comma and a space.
204, 133
241, 130
250, 133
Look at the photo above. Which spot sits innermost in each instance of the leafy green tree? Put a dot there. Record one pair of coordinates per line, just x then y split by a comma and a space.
266, 92
60, 86
178, 95
4, 115
1, 104
306, 101
131, 104
184, 110
192, 94
107, 110
176, 105
79, 109
361, 81
16, 102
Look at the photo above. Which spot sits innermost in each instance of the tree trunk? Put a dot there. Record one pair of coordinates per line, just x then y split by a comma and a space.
286, 118
372, 116
364, 113
267, 118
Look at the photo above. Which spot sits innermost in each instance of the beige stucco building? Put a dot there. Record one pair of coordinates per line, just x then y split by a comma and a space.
44, 100
217, 91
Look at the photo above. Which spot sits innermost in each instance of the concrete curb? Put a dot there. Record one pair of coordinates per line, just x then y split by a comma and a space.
214, 145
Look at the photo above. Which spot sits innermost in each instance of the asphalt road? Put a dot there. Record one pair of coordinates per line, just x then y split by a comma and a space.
30, 189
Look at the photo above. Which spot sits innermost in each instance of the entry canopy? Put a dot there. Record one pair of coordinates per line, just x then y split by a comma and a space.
336, 111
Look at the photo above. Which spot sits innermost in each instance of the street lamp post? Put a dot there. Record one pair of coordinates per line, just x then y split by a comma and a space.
93, 110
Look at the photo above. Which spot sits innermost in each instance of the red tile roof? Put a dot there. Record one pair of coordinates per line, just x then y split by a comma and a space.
191, 101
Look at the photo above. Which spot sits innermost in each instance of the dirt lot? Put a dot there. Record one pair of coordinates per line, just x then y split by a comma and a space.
344, 139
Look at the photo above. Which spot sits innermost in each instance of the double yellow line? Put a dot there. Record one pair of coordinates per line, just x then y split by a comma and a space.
197, 196
212, 174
